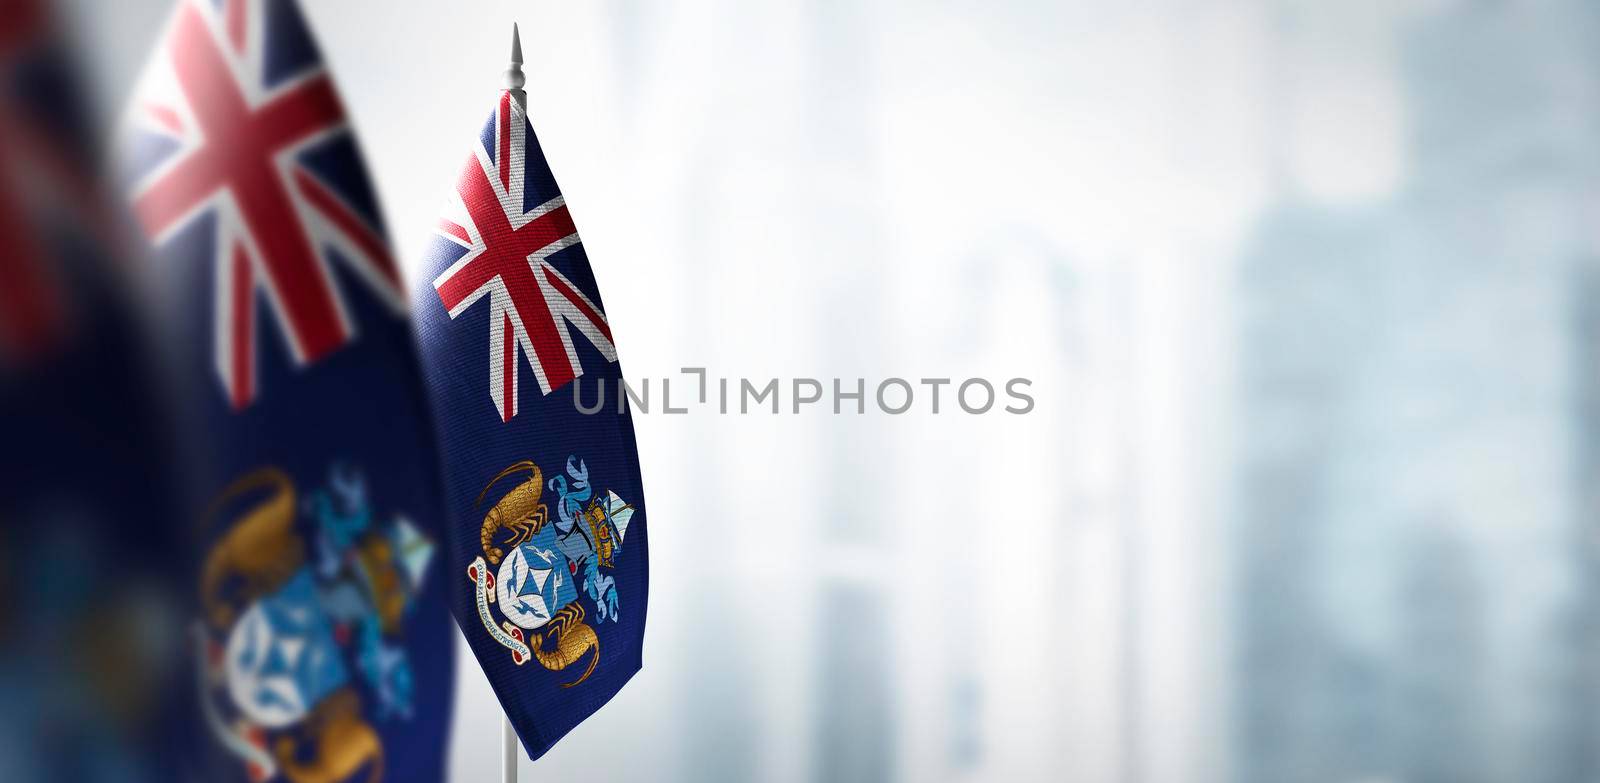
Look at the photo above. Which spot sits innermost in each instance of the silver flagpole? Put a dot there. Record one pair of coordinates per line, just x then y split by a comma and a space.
508, 751
514, 82
514, 77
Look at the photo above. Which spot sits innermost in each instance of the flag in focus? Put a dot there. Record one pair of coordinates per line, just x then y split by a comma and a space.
323, 632
545, 502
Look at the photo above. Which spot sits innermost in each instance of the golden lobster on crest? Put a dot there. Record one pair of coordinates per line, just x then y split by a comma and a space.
539, 574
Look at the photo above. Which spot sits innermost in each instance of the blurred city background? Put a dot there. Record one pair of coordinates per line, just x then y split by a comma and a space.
1309, 293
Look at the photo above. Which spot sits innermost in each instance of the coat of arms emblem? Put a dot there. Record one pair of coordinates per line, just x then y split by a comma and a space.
305, 600
541, 568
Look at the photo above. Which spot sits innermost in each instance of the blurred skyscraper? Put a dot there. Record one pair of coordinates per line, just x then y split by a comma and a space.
1580, 680
1410, 462
854, 712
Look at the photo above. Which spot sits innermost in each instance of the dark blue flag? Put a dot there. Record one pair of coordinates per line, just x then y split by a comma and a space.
547, 517
89, 528
322, 625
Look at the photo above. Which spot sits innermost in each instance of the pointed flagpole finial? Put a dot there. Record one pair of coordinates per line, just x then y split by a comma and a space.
514, 77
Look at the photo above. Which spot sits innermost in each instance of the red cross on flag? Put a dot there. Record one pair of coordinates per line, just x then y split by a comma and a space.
226, 119
510, 228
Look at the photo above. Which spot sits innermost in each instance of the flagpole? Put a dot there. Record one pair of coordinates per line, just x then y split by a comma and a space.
508, 751
514, 80
514, 77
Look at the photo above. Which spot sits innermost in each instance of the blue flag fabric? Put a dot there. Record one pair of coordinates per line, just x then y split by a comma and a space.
549, 562
89, 524
322, 630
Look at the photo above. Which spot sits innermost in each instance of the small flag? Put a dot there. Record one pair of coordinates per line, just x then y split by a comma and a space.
322, 630
91, 691
545, 502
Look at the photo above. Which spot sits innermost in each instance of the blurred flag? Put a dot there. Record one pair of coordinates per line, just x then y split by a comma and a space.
87, 531
322, 622
547, 539
46, 174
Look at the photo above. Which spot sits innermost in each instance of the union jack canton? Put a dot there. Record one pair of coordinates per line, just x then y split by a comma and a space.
510, 219
238, 126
